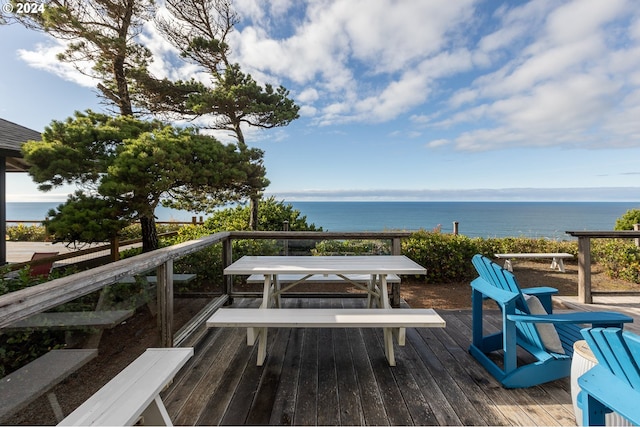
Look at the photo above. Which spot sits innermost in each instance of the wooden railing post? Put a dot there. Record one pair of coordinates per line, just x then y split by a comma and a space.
396, 246
285, 227
455, 228
396, 249
227, 259
115, 248
165, 303
584, 270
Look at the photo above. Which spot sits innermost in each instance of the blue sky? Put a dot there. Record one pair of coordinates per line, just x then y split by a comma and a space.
407, 100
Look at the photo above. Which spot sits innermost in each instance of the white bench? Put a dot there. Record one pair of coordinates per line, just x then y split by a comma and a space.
394, 321
556, 259
133, 396
21, 387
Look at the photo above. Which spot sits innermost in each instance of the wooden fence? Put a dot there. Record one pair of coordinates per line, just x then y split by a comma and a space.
585, 294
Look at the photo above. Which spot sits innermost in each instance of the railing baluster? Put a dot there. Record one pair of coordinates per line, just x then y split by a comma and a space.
165, 303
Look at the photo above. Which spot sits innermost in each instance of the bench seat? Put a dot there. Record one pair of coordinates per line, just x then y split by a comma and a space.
259, 319
178, 279
133, 396
105, 319
556, 258
20, 388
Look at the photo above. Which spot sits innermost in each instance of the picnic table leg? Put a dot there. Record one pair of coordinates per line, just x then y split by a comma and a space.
252, 333
388, 346
558, 264
262, 346
375, 294
507, 265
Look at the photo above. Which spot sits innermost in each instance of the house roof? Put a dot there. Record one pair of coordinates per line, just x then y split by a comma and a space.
12, 136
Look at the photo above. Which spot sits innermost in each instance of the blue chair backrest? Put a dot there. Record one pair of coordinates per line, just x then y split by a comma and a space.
497, 276
503, 279
616, 350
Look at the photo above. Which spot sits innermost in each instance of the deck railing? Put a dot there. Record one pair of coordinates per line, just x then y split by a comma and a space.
585, 293
21, 304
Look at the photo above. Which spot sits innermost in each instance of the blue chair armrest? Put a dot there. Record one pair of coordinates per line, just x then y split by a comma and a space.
611, 392
593, 318
502, 297
544, 294
540, 290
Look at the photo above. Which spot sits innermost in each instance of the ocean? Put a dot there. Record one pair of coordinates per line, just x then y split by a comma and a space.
475, 219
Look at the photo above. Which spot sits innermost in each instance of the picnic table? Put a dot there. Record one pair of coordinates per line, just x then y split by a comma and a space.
348, 269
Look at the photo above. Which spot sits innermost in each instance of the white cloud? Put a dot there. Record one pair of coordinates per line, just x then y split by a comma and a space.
572, 82
609, 194
347, 49
44, 57
537, 73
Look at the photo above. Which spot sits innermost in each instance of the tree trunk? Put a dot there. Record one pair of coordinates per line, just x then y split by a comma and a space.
253, 212
149, 233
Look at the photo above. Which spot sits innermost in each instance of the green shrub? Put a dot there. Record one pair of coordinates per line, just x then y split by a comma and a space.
446, 257
351, 247
27, 233
626, 221
620, 258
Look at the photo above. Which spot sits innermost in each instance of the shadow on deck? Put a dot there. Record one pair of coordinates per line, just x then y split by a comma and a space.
341, 377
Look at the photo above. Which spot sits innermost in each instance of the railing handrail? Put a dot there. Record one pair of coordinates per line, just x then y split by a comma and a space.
25, 302
606, 234
315, 235
80, 252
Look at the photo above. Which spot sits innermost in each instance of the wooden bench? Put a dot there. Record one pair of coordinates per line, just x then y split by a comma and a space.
20, 388
178, 279
133, 396
94, 321
105, 319
259, 319
556, 259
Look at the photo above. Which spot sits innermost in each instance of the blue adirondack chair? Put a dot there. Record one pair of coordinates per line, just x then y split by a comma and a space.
614, 383
528, 322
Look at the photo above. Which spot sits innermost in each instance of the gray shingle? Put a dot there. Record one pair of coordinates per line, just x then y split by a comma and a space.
12, 136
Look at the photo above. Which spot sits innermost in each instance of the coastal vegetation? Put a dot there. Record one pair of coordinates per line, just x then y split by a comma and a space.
446, 256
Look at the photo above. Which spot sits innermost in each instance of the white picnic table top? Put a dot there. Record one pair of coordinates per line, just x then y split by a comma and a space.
378, 267
374, 264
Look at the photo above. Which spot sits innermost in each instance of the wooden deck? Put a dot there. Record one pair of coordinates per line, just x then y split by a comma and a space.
340, 377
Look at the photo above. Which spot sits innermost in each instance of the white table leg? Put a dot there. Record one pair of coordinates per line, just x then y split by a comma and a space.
507, 265
557, 263
276, 288
388, 346
262, 346
252, 333
400, 333
371, 286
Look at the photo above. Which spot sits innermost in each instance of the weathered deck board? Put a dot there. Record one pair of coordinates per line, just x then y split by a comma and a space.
338, 376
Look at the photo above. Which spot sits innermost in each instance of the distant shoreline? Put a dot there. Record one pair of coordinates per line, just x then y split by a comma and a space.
475, 219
